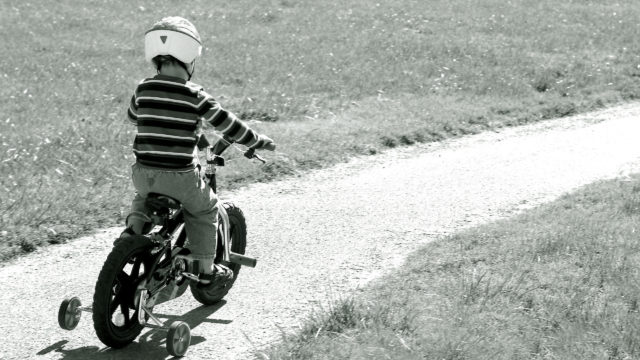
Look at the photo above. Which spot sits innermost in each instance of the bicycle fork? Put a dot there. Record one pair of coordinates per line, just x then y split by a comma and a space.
227, 254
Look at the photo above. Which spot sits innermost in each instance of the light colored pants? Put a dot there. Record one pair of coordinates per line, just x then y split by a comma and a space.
196, 196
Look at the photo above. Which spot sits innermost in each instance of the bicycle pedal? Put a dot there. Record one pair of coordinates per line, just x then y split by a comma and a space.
242, 260
190, 276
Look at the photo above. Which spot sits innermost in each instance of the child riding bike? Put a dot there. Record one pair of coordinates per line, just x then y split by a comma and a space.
169, 112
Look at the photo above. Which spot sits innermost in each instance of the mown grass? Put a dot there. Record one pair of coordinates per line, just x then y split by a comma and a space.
561, 281
327, 80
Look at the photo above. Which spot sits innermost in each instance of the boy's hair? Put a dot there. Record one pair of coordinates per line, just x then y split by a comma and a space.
160, 60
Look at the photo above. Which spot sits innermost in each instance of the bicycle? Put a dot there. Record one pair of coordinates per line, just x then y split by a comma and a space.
143, 271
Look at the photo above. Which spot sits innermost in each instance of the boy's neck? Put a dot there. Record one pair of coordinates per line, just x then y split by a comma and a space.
174, 71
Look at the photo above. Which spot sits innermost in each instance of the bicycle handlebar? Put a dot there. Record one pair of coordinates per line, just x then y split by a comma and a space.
251, 154
221, 145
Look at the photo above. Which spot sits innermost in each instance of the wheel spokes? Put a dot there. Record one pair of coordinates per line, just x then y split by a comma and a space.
117, 300
135, 271
124, 279
125, 312
122, 293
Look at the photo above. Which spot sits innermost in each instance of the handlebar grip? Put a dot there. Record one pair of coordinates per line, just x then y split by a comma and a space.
251, 154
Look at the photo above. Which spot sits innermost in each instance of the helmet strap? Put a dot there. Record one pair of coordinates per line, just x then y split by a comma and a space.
193, 70
184, 66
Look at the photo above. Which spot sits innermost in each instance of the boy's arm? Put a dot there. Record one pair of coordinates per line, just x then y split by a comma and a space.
132, 113
229, 124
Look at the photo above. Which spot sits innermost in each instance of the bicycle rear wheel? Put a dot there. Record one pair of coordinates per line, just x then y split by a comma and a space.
115, 317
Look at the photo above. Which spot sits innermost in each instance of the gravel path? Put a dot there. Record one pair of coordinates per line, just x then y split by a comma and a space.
321, 235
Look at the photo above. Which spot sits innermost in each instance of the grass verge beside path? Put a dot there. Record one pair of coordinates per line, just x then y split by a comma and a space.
326, 79
561, 281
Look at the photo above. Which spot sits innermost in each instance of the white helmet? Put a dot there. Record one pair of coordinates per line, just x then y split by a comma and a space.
173, 36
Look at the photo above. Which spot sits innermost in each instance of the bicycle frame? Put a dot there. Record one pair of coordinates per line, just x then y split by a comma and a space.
173, 231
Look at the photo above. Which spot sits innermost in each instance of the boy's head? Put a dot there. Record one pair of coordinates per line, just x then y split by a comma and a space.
175, 41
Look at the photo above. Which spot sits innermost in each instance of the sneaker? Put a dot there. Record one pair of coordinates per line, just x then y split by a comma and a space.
221, 274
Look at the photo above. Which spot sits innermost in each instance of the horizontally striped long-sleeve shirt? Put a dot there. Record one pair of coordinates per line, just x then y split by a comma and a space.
169, 113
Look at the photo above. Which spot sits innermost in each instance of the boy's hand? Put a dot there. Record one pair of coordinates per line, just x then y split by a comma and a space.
267, 143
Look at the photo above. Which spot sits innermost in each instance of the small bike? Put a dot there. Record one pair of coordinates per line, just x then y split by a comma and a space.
146, 270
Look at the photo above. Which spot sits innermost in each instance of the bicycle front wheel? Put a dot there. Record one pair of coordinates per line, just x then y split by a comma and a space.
212, 293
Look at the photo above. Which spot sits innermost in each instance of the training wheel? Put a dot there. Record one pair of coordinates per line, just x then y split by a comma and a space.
178, 338
69, 313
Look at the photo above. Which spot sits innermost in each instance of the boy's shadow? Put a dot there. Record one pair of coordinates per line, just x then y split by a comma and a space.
149, 345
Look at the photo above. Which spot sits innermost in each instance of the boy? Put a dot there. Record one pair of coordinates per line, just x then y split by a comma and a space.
169, 111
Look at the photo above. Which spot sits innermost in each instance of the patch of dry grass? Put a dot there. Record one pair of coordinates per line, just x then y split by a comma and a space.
557, 282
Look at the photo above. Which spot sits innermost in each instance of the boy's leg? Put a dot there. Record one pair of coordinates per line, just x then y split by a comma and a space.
200, 218
137, 217
201, 224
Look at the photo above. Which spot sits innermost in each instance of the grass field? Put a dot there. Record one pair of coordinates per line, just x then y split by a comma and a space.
327, 80
561, 281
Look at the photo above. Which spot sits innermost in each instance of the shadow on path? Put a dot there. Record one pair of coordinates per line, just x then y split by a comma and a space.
149, 345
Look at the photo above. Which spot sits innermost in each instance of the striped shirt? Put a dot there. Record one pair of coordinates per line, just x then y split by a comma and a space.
169, 113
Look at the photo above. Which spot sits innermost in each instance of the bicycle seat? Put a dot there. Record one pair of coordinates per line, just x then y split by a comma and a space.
158, 202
